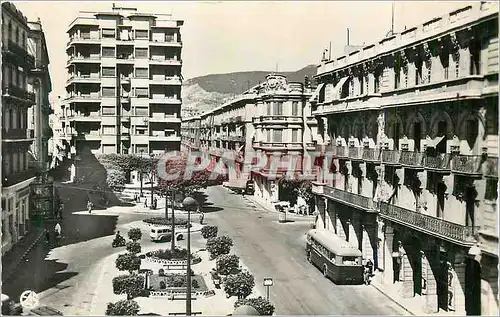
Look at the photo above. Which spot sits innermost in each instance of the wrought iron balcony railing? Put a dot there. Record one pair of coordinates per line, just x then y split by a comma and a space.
17, 134
343, 196
18, 92
371, 154
390, 156
440, 162
491, 167
19, 177
355, 153
410, 158
468, 164
428, 224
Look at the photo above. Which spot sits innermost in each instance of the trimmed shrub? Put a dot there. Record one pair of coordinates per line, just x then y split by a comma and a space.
194, 284
123, 308
132, 285
209, 232
135, 234
167, 254
118, 241
165, 222
219, 245
239, 285
133, 247
228, 264
264, 307
163, 285
161, 272
128, 262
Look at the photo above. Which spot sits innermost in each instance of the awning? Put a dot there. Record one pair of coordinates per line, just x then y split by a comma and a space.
337, 91
316, 93
434, 142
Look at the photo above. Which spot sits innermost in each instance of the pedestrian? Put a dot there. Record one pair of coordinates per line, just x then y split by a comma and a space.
145, 203
89, 206
155, 203
58, 229
61, 208
47, 236
202, 217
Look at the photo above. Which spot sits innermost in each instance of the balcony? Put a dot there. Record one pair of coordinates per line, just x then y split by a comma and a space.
84, 78
411, 159
348, 198
371, 155
95, 58
161, 60
125, 118
124, 58
390, 157
92, 117
165, 43
18, 93
441, 162
341, 151
355, 153
86, 97
89, 136
19, 53
85, 38
278, 119
13, 135
430, 225
158, 136
467, 164
164, 118
18, 177
164, 99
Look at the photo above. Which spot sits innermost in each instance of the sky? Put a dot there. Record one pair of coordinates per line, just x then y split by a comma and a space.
223, 37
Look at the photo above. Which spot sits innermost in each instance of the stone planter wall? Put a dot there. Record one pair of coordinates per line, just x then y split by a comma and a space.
194, 260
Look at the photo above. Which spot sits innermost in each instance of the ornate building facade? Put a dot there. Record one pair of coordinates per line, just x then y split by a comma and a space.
410, 132
273, 120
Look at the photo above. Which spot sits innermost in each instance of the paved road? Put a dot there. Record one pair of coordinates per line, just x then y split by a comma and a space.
271, 249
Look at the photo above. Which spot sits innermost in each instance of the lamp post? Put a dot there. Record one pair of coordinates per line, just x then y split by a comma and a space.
140, 175
152, 174
268, 282
189, 204
173, 221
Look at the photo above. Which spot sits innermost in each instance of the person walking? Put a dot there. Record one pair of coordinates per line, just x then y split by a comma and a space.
89, 206
58, 229
202, 217
47, 236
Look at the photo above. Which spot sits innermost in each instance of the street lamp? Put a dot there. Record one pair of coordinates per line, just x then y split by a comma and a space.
268, 282
189, 204
140, 175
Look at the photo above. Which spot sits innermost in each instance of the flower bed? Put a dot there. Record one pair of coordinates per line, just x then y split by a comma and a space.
168, 257
158, 221
176, 283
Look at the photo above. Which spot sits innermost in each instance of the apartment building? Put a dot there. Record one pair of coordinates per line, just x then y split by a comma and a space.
124, 85
40, 83
18, 164
410, 127
273, 119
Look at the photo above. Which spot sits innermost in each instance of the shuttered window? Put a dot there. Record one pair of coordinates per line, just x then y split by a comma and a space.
108, 129
141, 34
109, 111
108, 51
141, 92
108, 33
141, 73
108, 91
108, 72
278, 135
141, 53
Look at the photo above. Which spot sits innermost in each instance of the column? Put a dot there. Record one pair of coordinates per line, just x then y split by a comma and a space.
430, 258
320, 208
457, 286
368, 235
406, 275
332, 215
388, 275
354, 229
340, 228
489, 286
464, 62
326, 137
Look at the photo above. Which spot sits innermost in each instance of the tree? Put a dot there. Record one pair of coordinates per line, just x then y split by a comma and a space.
209, 232
133, 247
264, 307
227, 264
240, 285
128, 262
123, 308
135, 234
219, 245
132, 285
115, 178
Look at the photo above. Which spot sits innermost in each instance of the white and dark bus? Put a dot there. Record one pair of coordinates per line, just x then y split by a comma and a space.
339, 260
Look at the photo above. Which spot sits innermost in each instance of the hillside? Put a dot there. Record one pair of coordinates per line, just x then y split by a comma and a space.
204, 93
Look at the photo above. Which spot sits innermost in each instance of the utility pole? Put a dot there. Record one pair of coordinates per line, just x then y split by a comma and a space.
173, 221
152, 174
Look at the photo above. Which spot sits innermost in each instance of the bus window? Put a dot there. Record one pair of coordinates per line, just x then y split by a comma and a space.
153, 230
332, 257
350, 260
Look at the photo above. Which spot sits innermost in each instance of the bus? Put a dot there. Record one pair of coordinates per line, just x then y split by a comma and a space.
160, 233
338, 260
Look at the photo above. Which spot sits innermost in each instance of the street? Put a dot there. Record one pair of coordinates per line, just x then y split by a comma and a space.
67, 277
271, 249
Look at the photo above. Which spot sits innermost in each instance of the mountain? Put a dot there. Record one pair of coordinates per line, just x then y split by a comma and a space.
203, 93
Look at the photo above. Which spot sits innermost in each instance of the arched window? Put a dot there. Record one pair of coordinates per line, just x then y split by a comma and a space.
10, 29
17, 35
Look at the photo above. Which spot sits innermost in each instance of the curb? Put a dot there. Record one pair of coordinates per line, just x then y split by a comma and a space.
252, 200
23, 256
392, 299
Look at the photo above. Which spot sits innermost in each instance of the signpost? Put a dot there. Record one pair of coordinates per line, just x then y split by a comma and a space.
268, 282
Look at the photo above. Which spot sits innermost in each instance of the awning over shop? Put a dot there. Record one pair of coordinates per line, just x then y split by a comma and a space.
337, 91
316, 93
434, 142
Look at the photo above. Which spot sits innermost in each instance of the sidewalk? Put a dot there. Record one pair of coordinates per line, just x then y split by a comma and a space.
292, 215
12, 258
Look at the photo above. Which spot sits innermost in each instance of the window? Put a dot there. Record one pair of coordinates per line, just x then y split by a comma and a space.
108, 33
418, 73
141, 53
351, 87
108, 52
108, 129
108, 91
140, 131
278, 108
457, 65
141, 73
361, 84
429, 72
295, 135
141, 112
397, 73
17, 35
278, 135
475, 57
367, 82
268, 106
108, 111
108, 72
141, 34
295, 108
141, 92
378, 74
